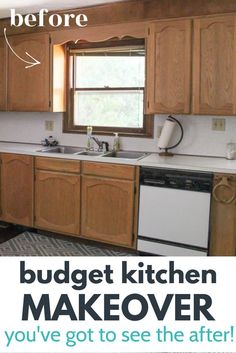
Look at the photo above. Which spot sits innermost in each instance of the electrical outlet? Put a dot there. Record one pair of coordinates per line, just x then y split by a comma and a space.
49, 125
218, 124
159, 130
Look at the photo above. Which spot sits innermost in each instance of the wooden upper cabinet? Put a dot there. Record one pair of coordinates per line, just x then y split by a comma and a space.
3, 63
169, 67
17, 189
29, 88
214, 66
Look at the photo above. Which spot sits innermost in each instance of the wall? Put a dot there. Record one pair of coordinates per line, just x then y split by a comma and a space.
199, 139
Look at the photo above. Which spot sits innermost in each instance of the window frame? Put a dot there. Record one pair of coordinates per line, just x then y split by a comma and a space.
68, 121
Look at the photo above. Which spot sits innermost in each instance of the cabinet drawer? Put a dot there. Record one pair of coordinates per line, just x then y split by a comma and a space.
62, 165
119, 171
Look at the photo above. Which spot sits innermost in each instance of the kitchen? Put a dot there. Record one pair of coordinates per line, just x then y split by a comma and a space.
182, 56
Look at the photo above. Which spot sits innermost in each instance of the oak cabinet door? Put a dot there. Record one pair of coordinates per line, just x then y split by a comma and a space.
107, 210
3, 63
17, 189
29, 88
214, 66
57, 202
223, 216
169, 67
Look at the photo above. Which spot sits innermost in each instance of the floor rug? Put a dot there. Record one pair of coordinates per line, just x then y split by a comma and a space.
33, 244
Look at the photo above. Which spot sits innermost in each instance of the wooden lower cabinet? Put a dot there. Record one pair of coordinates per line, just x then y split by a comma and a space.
108, 210
17, 189
57, 201
3, 77
105, 210
223, 216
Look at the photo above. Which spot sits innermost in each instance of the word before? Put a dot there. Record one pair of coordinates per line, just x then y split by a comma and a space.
54, 20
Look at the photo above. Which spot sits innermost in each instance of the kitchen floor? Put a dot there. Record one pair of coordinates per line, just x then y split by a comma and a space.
8, 231
18, 241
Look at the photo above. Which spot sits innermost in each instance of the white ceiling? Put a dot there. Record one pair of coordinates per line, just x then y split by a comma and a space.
32, 6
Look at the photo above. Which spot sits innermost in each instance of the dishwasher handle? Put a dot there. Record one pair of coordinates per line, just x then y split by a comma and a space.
153, 182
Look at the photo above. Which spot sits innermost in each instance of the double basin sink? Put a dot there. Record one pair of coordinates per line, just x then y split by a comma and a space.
82, 152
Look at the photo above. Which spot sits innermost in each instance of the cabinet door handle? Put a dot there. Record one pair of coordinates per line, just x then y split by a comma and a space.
224, 183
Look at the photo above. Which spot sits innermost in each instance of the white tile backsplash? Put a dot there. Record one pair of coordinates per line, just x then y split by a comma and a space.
199, 139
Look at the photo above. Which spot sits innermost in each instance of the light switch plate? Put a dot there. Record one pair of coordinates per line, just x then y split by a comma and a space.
218, 124
49, 125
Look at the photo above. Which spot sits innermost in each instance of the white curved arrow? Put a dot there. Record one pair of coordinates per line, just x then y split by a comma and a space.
30, 63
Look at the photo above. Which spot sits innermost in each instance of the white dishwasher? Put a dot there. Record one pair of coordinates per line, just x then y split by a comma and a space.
174, 212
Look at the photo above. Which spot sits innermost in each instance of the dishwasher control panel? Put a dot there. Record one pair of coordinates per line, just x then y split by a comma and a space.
176, 179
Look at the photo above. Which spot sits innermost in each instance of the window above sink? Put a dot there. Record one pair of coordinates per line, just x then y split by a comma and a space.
107, 88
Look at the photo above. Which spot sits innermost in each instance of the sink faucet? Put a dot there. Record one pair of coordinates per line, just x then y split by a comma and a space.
102, 145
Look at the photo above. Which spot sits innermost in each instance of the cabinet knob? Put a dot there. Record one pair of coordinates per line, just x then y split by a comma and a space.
224, 183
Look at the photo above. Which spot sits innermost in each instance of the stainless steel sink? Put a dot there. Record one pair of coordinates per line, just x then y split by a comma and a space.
70, 150
90, 153
125, 154
82, 152
62, 149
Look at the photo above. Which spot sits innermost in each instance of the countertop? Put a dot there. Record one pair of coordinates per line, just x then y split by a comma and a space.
204, 164
184, 162
33, 150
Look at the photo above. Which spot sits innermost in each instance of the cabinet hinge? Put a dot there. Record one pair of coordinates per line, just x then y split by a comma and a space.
135, 190
50, 40
50, 104
148, 104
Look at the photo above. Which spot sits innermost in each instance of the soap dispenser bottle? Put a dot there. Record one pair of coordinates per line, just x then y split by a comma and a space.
116, 142
89, 135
